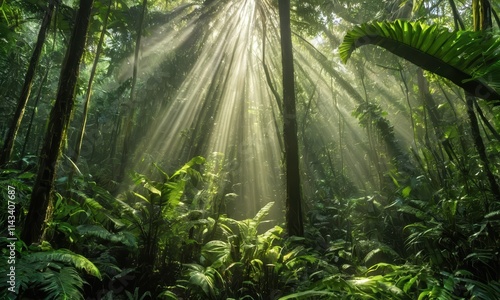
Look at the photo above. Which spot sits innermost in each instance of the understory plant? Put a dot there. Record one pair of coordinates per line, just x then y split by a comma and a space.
45, 273
235, 261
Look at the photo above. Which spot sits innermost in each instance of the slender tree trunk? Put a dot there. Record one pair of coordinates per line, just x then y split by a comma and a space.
481, 12
480, 148
435, 117
81, 133
486, 122
459, 24
129, 122
32, 117
295, 224
8, 145
40, 205
38, 97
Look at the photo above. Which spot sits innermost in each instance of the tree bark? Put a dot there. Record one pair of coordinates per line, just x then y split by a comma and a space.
40, 205
293, 189
8, 145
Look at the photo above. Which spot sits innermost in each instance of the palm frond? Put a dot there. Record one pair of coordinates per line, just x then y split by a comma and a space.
480, 290
469, 59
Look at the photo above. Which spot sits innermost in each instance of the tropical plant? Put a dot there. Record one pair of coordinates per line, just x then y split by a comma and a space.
157, 214
135, 295
93, 227
240, 263
469, 59
47, 273
21, 181
388, 281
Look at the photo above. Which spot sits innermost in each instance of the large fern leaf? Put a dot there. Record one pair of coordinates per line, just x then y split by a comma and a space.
67, 257
469, 59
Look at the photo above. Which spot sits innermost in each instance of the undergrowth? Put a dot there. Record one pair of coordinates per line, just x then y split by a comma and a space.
168, 238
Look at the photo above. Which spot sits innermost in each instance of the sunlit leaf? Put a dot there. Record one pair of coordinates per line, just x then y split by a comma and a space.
464, 57
406, 192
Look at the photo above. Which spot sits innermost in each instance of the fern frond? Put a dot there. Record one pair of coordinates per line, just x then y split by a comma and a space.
124, 238
67, 257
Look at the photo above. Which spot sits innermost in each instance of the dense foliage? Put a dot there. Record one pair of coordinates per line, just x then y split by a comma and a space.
171, 174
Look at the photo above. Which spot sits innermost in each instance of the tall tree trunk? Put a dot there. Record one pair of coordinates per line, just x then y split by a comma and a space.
8, 145
295, 224
129, 122
40, 205
81, 133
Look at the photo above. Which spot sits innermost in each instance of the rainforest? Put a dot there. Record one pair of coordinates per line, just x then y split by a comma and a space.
249, 149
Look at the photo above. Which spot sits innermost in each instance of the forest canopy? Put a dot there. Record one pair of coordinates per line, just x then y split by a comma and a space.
250, 149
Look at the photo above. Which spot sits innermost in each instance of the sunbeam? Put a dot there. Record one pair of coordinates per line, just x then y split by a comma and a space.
224, 106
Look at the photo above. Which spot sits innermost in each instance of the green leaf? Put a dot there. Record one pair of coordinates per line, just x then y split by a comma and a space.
65, 256
406, 191
263, 212
493, 214
216, 253
309, 295
140, 197
152, 189
469, 59
409, 284
204, 279
198, 160
100, 232
63, 284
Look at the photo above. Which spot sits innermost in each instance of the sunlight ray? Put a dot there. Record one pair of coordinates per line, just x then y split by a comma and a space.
225, 100
226, 97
